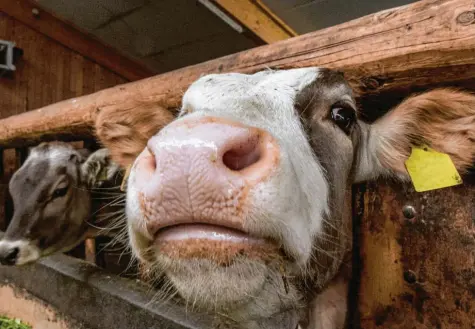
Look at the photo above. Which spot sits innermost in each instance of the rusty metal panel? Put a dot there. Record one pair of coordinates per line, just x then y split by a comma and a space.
417, 253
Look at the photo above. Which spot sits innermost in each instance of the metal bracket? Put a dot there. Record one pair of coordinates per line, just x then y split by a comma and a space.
8, 55
221, 14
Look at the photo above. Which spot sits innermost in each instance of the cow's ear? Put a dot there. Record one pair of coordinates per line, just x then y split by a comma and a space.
83, 153
442, 119
98, 168
125, 129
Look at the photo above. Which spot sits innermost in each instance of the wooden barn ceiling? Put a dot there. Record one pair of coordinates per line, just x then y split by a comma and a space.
311, 15
169, 34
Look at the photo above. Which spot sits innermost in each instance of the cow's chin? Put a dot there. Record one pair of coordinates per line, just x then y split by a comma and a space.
210, 286
218, 268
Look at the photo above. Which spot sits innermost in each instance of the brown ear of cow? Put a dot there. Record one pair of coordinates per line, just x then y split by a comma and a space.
443, 119
125, 130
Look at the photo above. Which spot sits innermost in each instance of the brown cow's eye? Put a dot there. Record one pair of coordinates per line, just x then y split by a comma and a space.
42, 243
60, 192
344, 117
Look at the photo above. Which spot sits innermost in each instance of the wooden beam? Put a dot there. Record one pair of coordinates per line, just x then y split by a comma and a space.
29, 13
421, 45
258, 18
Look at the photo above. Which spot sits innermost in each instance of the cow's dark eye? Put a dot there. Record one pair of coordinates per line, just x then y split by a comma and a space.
60, 192
344, 117
42, 243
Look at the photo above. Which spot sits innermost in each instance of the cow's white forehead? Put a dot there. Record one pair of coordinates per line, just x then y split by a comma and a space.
235, 91
55, 154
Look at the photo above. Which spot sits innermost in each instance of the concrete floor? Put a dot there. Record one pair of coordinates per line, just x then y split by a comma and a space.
21, 305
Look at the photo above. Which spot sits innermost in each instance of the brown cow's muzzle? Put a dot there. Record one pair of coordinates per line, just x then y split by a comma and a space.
194, 183
8, 256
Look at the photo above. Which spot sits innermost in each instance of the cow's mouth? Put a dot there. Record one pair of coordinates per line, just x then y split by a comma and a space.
213, 242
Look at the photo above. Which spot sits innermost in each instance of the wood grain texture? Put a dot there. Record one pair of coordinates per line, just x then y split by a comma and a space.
262, 6
417, 272
399, 50
90, 250
74, 39
47, 73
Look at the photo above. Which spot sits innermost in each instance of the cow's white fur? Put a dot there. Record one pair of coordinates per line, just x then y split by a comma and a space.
55, 156
27, 252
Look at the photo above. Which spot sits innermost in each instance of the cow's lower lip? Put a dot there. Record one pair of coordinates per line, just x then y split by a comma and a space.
183, 232
212, 242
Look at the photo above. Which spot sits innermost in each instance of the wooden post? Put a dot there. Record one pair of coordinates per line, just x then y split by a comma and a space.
90, 250
20, 154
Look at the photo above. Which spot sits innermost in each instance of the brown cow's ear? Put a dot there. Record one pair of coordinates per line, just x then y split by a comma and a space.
98, 168
84, 153
443, 119
125, 129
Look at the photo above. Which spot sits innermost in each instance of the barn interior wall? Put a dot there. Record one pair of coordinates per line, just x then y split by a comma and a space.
47, 73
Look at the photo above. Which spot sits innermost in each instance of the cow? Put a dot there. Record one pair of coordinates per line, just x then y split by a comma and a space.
54, 208
240, 206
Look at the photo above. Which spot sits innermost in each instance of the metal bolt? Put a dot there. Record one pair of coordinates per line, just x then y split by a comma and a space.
410, 277
466, 18
409, 212
35, 12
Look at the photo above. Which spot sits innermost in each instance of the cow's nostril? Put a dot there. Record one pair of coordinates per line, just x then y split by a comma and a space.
10, 257
244, 154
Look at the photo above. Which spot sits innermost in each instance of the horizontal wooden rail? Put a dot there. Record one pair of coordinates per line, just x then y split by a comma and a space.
421, 45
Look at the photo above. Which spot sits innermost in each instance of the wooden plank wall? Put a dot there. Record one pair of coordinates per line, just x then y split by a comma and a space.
47, 73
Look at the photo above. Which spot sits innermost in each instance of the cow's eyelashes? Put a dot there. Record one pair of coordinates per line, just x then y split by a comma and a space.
343, 116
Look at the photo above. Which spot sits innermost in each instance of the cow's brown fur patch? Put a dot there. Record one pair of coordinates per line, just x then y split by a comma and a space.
125, 129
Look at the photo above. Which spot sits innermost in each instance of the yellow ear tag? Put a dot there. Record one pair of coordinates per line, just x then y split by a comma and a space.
126, 175
431, 170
